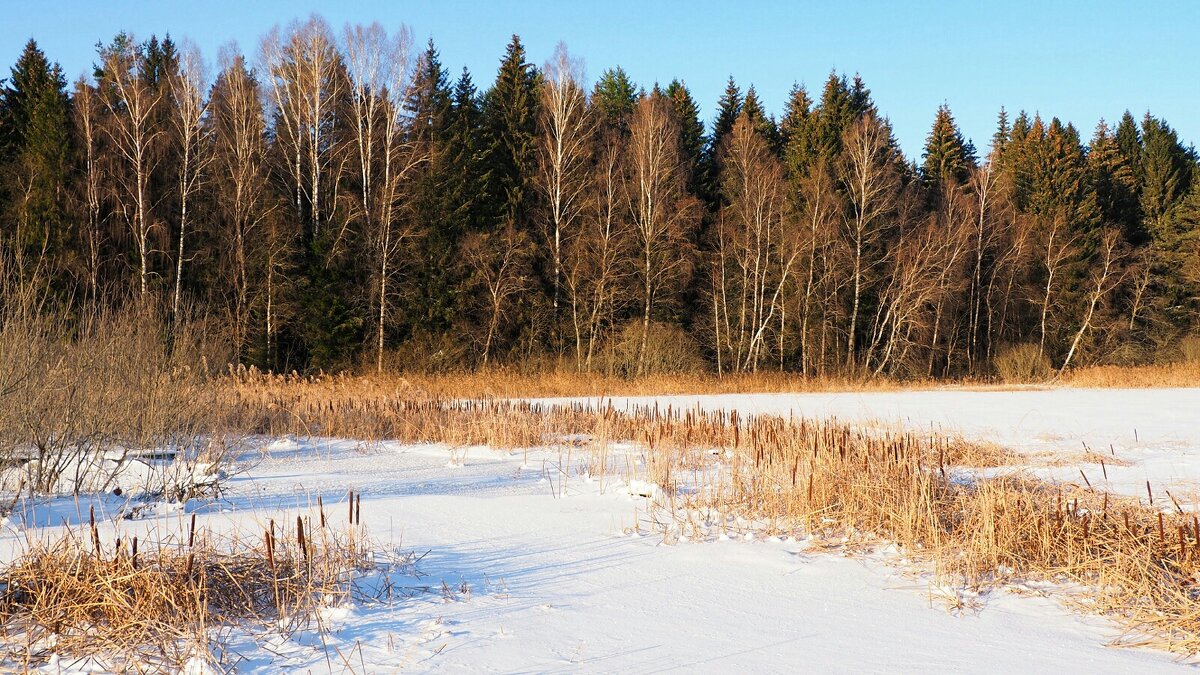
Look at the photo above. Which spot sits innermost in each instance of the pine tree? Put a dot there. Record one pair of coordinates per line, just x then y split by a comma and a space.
947, 157
34, 153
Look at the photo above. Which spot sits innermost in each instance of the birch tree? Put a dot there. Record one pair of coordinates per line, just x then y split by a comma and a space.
661, 212
186, 87
134, 139
564, 146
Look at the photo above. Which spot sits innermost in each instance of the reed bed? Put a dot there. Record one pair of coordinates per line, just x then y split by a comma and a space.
151, 604
1135, 561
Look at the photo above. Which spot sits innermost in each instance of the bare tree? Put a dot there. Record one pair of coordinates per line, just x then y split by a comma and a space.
868, 172
1105, 276
239, 179
597, 261
186, 86
134, 135
87, 122
661, 211
380, 79
307, 83
563, 152
757, 247
499, 264
1057, 245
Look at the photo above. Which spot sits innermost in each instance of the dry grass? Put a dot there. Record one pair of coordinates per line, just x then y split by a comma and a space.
1134, 562
152, 604
1180, 374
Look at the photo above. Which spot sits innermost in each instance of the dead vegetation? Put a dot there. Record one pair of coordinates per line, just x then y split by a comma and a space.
154, 603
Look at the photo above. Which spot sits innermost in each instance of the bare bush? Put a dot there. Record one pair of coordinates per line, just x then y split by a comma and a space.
1023, 363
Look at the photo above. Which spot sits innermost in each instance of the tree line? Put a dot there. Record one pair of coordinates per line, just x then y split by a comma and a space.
340, 201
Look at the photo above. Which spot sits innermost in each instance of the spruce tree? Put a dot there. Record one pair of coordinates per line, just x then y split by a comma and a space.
1165, 173
763, 123
796, 133
510, 132
34, 154
429, 107
947, 157
510, 113
1002, 135
1111, 176
691, 131
614, 97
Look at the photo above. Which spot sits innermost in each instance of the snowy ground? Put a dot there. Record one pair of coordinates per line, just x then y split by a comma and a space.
548, 570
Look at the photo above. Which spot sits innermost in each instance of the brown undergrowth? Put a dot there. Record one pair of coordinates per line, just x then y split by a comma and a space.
151, 604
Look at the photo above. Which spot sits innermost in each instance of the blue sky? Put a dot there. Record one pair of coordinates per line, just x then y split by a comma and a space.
1074, 59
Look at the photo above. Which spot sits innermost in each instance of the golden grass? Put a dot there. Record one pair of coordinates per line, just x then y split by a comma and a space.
1128, 560
1181, 374
152, 603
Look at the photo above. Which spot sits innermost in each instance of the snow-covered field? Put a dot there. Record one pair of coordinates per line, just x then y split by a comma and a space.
548, 569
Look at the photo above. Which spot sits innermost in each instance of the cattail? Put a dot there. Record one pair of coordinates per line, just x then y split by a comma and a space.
133, 558
321, 510
269, 543
1104, 469
192, 531
95, 532
1149, 494
358, 509
300, 537
1085, 479
1162, 536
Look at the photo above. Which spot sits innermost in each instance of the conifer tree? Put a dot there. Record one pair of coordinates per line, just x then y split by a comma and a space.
614, 98
510, 114
1165, 173
796, 133
691, 132
762, 123
1112, 178
34, 155
947, 157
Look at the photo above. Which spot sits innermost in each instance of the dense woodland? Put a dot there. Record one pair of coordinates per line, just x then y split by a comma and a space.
338, 200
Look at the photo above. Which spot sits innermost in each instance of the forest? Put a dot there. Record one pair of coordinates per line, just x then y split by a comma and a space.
336, 200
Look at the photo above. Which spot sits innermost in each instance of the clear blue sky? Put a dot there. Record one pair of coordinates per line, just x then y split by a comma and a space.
1079, 60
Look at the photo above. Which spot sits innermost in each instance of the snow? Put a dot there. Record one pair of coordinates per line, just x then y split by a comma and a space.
531, 563
1149, 434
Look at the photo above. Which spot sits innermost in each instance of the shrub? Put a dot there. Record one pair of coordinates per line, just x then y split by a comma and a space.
669, 351
1189, 348
1022, 362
